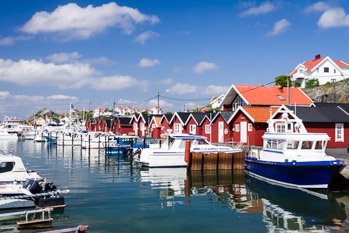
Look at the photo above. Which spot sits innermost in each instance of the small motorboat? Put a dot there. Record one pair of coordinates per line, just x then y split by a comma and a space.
291, 156
121, 145
12, 169
172, 152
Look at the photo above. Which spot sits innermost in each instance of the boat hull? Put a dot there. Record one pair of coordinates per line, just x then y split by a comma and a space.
295, 174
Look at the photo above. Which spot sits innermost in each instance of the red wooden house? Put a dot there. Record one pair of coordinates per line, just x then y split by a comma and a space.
134, 123
155, 128
165, 123
247, 95
221, 131
249, 123
122, 126
332, 119
178, 122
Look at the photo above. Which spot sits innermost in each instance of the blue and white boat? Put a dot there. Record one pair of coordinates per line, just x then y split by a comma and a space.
120, 145
291, 156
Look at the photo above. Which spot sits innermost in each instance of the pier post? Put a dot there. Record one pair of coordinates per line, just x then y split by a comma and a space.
225, 161
239, 161
196, 161
210, 161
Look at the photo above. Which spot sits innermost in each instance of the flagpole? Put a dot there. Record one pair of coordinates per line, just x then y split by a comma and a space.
70, 116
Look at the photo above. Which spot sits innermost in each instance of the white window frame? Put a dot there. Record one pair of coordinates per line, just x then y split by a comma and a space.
237, 127
177, 128
280, 128
339, 132
192, 128
249, 127
207, 129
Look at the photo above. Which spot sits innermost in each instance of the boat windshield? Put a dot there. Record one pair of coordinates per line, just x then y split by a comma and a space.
200, 142
292, 145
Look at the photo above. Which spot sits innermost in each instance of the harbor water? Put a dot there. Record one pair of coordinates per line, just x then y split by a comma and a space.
113, 194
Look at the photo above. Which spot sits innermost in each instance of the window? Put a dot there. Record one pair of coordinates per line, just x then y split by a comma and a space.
177, 128
249, 127
334, 71
292, 145
207, 129
318, 145
281, 97
307, 145
333, 80
339, 132
192, 129
237, 128
289, 127
326, 69
6, 166
280, 128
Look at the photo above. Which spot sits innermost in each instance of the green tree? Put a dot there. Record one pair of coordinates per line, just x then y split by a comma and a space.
312, 83
282, 81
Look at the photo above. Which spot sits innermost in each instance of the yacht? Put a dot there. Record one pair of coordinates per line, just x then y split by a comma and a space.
172, 152
291, 156
12, 169
97, 140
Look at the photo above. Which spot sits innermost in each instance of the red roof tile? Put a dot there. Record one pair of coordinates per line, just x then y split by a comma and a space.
260, 114
272, 95
342, 64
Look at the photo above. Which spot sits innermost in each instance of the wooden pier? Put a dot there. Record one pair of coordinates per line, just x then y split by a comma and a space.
216, 161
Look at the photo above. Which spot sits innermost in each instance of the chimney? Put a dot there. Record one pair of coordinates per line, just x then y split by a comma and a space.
317, 56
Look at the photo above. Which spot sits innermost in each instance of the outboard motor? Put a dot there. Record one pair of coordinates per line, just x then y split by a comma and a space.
49, 187
33, 186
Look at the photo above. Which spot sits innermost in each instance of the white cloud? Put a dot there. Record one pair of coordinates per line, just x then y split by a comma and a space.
9, 40
24, 105
63, 57
146, 62
4, 94
75, 75
74, 22
143, 37
331, 16
163, 104
204, 66
264, 8
183, 88
334, 17
279, 27
118, 82
62, 97
215, 90
317, 7
34, 72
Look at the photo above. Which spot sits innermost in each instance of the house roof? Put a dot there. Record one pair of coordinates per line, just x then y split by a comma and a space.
198, 117
183, 116
260, 114
126, 121
322, 113
256, 114
168, 116
225, 115
156, 119
267, 95
310, 65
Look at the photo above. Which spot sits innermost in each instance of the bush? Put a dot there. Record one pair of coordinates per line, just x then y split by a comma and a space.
312, 83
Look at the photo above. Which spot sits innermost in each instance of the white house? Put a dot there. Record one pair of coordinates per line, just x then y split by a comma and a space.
216, 101
323, 69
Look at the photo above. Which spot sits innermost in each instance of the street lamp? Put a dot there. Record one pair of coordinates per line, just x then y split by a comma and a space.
167, 91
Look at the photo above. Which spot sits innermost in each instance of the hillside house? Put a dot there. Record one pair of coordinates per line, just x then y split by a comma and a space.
324, 69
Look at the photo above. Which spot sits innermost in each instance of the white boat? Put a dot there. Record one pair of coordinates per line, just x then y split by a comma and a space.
97, 140
39, 136
171, 153
28, 133
70, 139
291, 156
12, 169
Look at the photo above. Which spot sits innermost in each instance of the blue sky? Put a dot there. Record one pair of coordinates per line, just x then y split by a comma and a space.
97, 52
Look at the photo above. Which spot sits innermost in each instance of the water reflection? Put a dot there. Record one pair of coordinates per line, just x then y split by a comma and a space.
283, 209
111, 190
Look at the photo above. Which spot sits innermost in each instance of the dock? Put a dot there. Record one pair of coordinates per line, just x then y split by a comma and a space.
201, 161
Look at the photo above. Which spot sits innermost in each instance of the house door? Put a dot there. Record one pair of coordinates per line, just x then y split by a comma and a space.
243, 132
135, 128
220, 132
